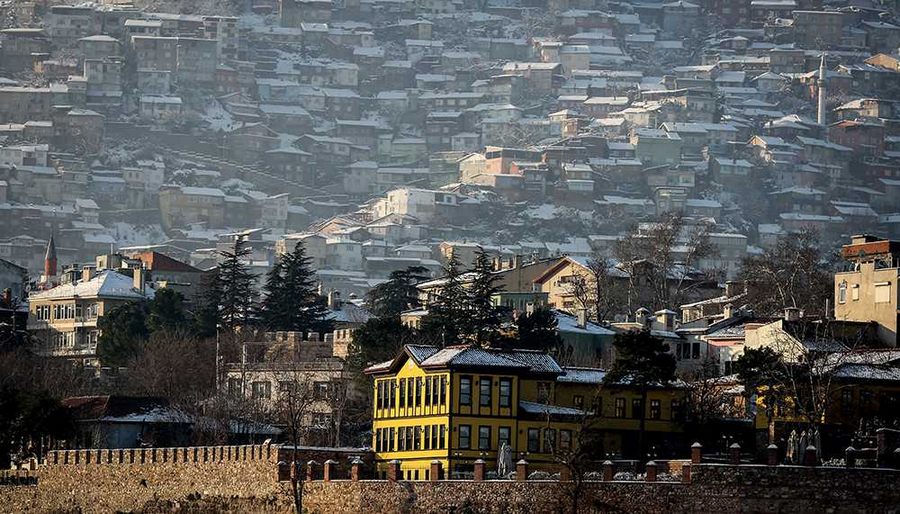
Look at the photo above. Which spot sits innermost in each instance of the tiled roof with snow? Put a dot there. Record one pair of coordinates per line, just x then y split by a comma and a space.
420, 352
539, 362
568, 323
476, 357
107, 284
867, 372
574, 375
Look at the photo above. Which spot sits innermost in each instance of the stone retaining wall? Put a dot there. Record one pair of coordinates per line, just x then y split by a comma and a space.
245, 479
126, 480
713, 488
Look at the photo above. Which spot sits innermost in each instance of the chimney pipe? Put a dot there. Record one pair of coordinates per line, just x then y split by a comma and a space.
334, 300
138, 276
791, 314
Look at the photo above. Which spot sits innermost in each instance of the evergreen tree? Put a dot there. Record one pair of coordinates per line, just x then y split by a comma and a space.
292, 300
166, 311
762, 372
309, 310
484, 316
642, 361
206, 316
378, 340
122, 332
238, 296
396, 295
29, 416
538, 330
448, 319
275, 304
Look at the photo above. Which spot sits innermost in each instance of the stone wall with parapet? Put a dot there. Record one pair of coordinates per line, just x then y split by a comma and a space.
246, 479
716, 488
127, 480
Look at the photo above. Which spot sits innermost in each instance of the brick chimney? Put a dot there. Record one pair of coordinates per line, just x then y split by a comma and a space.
734, 288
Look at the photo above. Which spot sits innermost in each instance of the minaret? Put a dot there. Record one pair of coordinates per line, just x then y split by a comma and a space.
821, 84
50, 261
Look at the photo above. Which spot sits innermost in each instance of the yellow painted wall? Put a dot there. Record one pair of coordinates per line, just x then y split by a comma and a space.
455, 415
421, 412
474, 408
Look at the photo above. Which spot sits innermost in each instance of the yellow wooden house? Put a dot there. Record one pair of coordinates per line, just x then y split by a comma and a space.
459, 404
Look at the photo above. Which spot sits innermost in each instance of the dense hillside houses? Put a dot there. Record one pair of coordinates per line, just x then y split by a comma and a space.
440, 235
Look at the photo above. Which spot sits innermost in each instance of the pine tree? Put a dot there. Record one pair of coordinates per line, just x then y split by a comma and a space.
308, 309
122, 332
538, 330
167, 311
484, 316
448, 316
292, 301
398, 294
236, 281
206, 315
274, 305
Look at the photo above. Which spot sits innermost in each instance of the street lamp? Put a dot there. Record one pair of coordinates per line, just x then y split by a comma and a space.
218, 364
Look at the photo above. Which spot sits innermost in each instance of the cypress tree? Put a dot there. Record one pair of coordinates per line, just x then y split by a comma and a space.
398, 294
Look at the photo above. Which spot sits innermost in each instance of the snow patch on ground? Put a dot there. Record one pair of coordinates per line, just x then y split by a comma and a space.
127, 234
236, 184
217, 117
548, 211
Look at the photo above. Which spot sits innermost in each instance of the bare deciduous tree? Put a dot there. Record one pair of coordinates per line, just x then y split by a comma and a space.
794, 375
294, 408
596, 291
660, 259
793, 273
174, 365
707, 400
577, 456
